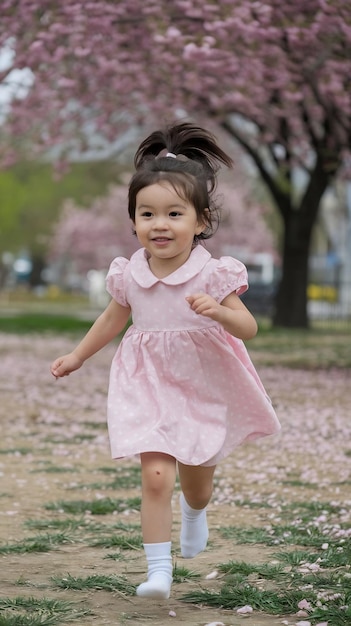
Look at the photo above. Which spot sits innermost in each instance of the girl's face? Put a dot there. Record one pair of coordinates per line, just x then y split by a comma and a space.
165, 225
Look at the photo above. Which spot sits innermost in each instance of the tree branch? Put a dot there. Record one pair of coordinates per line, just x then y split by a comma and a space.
281, 198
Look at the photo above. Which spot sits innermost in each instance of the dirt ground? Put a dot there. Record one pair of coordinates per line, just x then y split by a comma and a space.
54, 448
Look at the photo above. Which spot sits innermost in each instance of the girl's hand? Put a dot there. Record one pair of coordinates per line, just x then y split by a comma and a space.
203, 304
66, 364
232, 313
107, 326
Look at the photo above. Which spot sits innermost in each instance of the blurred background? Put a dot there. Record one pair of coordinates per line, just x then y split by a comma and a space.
81, 84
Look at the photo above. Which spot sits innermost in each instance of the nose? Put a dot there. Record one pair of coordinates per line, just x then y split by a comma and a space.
161, 223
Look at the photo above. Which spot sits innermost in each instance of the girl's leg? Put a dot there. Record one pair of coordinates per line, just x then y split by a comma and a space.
197, 484
158, 475
158, 472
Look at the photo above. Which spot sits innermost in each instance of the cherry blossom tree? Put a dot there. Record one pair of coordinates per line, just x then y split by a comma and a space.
275, 75
89, 238
86, 239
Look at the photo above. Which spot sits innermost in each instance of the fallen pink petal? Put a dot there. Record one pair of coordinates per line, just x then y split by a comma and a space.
303, 604
55, 451
245, 609
212, 575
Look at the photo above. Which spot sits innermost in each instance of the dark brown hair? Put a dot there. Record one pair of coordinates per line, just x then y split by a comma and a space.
191, 170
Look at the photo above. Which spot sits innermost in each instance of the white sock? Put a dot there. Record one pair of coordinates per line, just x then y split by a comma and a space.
194, 530
159, 574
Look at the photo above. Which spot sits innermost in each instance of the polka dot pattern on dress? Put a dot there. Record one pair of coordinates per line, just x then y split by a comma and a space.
179, 383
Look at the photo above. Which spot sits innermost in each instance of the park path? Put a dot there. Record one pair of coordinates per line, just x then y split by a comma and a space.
54, 448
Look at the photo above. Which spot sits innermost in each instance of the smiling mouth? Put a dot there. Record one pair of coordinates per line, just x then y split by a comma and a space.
161, 239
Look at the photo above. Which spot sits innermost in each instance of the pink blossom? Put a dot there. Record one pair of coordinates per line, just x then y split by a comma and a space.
266, 72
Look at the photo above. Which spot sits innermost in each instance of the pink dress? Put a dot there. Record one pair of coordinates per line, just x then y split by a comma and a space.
179, 383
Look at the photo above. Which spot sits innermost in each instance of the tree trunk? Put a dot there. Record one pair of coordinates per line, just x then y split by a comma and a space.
291, 299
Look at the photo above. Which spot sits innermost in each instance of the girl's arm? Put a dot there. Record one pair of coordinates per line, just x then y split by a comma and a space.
232, 313
105, 328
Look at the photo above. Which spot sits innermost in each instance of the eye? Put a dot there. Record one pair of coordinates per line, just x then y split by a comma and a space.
146, 214
175, 213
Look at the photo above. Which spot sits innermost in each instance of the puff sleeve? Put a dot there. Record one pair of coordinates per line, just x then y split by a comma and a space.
115, 283
230, 275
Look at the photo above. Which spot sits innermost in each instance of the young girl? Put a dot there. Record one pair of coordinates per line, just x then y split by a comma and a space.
183, 392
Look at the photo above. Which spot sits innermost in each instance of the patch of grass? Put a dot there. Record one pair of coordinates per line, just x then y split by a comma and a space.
249, 504
309, 349
69, 440
85, 526
297, 557
337, 555
98, 582
43, 322
40, 543
68, 524
101, 485
181, 574
297, 483
108, 469
119, 541
341, 483
328, 600
94, 425
314, 506
126, 528
307, 510
124, 478
232, 596
264, 570
54, 469
115, 556
246, 535
330, 580
335, 616
22, 611
320, 574
114, 484
300, 535
16, 451
104, 506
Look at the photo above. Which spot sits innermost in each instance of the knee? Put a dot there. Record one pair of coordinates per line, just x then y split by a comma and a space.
157, 484
198, 498
158, 479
